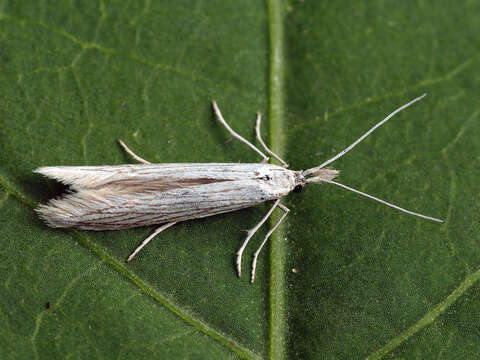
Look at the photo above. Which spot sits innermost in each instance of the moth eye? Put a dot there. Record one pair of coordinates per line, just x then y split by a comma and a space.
298, 188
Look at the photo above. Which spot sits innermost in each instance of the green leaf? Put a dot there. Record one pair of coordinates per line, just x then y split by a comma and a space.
346, 278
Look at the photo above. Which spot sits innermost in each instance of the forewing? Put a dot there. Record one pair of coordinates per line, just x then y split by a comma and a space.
116, 197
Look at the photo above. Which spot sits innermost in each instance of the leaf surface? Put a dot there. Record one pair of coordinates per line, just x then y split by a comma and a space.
349, 278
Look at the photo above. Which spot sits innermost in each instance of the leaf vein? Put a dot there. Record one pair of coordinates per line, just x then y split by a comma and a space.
145, 287
428, 318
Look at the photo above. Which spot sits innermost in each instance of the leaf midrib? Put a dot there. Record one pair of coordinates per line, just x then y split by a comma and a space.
276, 306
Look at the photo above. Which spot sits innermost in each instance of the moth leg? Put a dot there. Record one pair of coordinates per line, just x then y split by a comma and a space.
250, 233
267, 150
148, 239
234, 134
132, 154
255, 256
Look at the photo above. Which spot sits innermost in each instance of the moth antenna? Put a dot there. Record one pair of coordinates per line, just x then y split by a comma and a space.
355, 143
383, 201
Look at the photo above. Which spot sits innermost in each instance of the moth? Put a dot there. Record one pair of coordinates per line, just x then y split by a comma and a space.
126, 196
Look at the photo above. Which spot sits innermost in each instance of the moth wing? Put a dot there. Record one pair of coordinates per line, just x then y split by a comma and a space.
151, 176
103, 209
117, 197
94, 177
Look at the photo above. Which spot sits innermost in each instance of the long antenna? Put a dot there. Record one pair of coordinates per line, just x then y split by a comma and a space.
343, 152
383, 201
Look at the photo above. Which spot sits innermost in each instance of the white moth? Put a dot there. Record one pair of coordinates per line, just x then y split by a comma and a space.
126, 196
